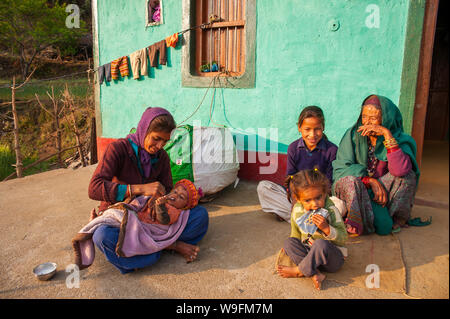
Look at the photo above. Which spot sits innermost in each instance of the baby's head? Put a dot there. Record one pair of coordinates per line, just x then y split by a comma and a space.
184, 195
309, 188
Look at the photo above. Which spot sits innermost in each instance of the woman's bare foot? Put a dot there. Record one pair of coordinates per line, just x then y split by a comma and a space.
93, 214
317, 279
289, 272
188, 251
400, 223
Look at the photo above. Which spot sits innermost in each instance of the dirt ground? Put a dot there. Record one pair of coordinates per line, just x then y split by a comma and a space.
40, 214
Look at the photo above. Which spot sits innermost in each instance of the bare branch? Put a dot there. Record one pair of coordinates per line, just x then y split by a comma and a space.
17, 102
6, 117
27, 79
40, 104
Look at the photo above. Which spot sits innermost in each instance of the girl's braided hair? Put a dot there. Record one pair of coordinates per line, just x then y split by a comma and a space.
305, 179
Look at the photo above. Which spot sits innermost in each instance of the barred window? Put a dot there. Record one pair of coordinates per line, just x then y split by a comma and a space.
220, 46
223, 46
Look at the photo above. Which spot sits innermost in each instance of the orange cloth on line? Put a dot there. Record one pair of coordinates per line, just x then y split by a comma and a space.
119, 65
172, 40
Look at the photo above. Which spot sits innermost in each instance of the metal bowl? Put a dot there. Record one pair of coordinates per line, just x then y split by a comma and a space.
45, 271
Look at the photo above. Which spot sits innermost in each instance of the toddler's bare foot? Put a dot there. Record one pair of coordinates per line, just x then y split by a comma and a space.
93, 214
188, 251
353, 231
279, 218
317, 279
289, 272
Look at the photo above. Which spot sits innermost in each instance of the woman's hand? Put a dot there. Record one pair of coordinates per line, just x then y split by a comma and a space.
380, 194
374, 130
321, 223
150, 189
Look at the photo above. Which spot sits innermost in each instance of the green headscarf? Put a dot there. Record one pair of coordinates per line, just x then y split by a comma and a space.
352, 155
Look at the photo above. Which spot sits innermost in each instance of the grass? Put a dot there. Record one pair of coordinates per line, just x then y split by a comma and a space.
79, 87
8, 158
36, 126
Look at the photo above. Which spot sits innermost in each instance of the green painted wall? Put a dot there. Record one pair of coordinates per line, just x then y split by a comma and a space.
299, 62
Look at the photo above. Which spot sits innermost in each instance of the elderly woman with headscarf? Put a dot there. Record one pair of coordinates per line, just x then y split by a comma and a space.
375, 170
138, 165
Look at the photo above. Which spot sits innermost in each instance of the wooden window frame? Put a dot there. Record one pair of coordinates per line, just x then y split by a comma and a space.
190, 73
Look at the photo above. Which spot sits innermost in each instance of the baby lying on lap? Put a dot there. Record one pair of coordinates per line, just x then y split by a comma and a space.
165, 210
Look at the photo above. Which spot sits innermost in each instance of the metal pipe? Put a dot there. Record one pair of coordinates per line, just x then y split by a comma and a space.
220, 38
227, 37
235, 35
211, 44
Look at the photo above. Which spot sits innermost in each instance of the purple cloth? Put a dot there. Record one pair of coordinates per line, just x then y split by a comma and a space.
299, 157
135, 237
398, 164
139, 137
372, 100
157, 14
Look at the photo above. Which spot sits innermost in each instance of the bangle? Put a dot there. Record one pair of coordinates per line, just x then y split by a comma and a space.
390, 143
129, 190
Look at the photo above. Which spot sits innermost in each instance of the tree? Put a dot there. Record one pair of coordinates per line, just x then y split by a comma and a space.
31, 26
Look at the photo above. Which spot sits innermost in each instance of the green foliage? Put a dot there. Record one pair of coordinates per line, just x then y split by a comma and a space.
6, 159
37, 131
33, 24
30, 26
79, 87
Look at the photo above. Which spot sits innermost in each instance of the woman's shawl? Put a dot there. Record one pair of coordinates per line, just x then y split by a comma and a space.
135, 237
138, 138
351, 157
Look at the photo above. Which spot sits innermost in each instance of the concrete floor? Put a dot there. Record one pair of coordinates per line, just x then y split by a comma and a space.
40, 214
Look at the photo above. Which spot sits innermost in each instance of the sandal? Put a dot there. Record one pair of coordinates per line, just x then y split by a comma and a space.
418, 222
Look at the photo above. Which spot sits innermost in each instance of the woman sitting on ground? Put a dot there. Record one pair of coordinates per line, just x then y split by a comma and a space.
138, 165
375, 170
146, 224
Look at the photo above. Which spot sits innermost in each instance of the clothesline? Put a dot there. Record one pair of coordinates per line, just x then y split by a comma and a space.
49, 79
96, 69
179, 33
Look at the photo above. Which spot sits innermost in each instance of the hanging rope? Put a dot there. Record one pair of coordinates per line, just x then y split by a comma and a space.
49, 79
